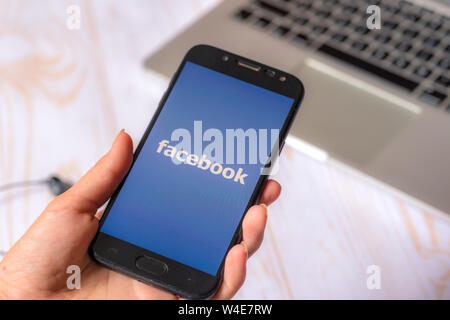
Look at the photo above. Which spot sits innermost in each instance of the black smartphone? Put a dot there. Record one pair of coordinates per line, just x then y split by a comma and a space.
199, 167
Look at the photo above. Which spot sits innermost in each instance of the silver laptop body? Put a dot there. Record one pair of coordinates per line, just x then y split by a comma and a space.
370, 104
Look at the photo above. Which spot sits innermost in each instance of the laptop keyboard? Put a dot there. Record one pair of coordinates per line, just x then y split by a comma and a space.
411, 50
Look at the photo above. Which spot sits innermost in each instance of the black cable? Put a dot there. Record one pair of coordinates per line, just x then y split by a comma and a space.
56, 185
22, 184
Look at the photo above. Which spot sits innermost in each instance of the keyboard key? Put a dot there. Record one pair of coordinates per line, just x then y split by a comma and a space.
433, 97
323, 14
433, 25
262, 22
339, 37
390, 24
422, 71
401, 63
380, 54
412, 17
410, 33
281, 31
330, 3
302, 39
359, 45
350, 9
390, 9
304, 5
431, 41
362, 30
342, 22
403, 82
443, 81
301, 20
243, 14
383, 38
272, 8
403, 46
444, 63
405, 4
424, 11
424, 55
319, 29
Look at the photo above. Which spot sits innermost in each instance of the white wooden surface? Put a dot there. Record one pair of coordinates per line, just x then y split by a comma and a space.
64, 94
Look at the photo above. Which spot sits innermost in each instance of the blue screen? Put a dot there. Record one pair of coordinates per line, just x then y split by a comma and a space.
181, 211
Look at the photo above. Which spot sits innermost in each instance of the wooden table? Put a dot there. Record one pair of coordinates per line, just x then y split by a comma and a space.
64, 94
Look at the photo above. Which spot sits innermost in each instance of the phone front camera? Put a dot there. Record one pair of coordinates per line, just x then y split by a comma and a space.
270, 73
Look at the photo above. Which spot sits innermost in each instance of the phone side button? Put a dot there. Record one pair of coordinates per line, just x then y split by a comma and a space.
151, 265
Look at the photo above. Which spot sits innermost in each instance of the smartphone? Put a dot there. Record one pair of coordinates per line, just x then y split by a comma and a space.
197, 170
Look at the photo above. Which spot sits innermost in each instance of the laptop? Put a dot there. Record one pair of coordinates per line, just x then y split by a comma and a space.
377, 100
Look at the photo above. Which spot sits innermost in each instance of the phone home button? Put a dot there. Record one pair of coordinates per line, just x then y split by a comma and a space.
151, 265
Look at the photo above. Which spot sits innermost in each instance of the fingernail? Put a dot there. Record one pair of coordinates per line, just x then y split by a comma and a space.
120, 132
245, 248
264, 206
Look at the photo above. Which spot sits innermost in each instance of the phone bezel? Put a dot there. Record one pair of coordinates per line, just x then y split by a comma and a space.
121, 255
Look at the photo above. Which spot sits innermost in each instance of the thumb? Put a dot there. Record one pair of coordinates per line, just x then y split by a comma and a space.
99, 183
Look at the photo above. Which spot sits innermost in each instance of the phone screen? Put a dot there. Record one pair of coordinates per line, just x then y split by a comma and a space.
179, 200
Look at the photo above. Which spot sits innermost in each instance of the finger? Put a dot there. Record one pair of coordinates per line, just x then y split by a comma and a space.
253, 227
271, 192
98, 184
234, 272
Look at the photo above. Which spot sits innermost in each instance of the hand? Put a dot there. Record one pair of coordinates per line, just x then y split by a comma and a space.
35, 267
